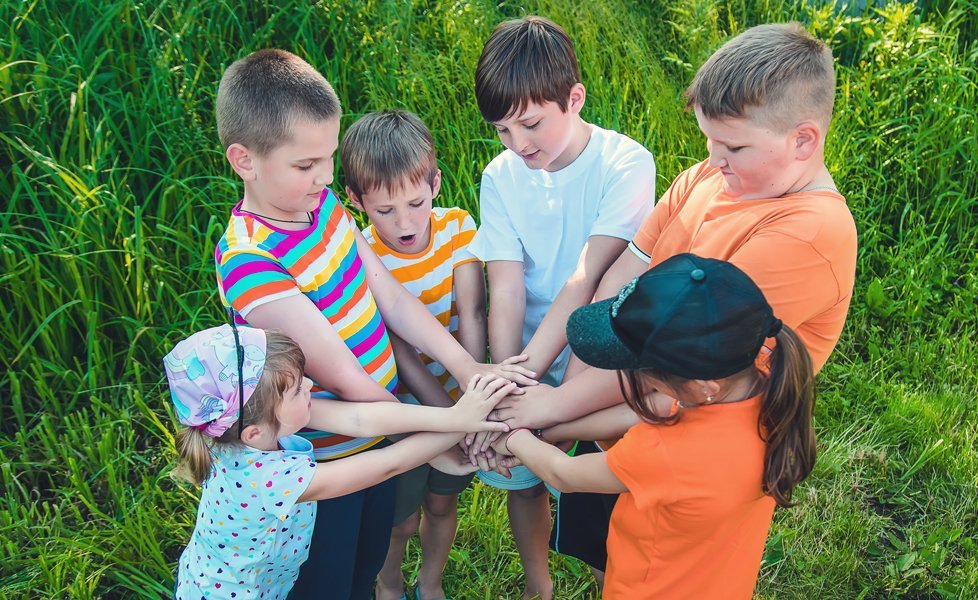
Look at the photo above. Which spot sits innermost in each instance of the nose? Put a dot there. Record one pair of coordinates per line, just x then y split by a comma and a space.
324, 176
717, 158
517, 141
401, 220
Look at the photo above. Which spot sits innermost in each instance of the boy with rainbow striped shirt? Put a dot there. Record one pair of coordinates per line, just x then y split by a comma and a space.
292, 259
388, 160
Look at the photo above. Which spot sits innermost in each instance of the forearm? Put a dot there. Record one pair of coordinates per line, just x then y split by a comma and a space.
472, 333
547, 462
413, 373
412, 322
371, 419
590, 391
506, 314
604, 424
470, 303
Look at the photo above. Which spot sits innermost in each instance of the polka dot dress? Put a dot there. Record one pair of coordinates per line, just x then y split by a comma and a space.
251, 534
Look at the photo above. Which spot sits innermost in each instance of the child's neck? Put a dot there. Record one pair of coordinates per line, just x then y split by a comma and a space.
577, 144
282, 219
816, 178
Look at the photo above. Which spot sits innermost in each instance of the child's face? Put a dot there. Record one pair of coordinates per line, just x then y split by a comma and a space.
402, 217
291, 177
756, 162
293, 413
542, 134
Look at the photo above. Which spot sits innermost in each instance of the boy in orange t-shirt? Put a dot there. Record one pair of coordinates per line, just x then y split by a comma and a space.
764, 201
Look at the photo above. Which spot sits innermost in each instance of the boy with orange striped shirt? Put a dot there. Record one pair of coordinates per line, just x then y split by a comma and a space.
388, 160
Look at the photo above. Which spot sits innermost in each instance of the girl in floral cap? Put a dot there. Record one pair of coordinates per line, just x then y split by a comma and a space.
242, 396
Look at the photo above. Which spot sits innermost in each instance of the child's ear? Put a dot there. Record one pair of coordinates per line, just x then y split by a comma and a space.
251, 434
436, 184
575, 101
242, 161
807, 140
353, 198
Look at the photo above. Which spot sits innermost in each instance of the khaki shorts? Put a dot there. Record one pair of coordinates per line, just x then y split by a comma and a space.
414, 484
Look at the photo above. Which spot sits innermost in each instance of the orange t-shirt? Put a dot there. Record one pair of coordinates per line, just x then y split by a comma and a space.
694, 519
800, 249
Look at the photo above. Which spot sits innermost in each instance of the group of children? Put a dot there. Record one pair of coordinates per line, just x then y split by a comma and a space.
695, 326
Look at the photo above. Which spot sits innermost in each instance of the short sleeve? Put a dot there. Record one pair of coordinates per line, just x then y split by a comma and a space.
648, 233
461, 253
628, 195
248, 278
639, 460
284, 480
496, 238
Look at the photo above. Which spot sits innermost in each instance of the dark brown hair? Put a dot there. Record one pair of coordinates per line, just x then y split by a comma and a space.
777, 74
526, 60
785, 422
284, 366
261, 96
385, 150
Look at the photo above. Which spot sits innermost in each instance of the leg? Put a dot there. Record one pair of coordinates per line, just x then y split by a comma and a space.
326, 574
529, 518
390, 581
438, 527
377, 518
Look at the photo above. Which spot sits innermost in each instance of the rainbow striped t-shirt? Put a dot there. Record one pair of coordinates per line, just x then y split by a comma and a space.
259, 263
429, 276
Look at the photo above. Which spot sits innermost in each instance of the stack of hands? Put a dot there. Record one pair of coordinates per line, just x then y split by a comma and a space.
525, 407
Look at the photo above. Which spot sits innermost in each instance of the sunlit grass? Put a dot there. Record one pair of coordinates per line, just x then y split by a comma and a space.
116, 190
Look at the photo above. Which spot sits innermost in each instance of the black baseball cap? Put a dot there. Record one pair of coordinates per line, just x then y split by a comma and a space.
693, 317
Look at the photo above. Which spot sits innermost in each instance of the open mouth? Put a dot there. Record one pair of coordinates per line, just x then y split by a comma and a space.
406, 240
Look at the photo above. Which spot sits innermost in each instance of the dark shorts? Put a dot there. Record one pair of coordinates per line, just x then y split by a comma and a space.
581, 526
414, 484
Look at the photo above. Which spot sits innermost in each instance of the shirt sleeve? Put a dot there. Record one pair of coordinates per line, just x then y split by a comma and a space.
639, 460
461, 253
648, 233
283, 480
628, 195
249, 278
497, 238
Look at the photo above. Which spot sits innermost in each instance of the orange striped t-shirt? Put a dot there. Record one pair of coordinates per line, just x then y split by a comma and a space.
430, 276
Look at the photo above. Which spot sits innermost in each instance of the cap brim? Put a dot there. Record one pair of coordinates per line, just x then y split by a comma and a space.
594, 341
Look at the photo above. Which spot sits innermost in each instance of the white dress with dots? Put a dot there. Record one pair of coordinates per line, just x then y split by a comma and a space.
251, 534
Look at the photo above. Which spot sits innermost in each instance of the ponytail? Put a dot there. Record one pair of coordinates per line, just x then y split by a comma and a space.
195, 455
785, 422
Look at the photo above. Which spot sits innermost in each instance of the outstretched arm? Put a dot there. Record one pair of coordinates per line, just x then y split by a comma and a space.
604, 424
587, 473
328, 359
362, 419
550, 338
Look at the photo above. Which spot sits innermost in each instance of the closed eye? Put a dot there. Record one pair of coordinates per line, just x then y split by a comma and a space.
533, 126
735, 148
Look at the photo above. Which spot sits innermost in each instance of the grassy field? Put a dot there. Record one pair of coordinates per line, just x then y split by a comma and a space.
115, 191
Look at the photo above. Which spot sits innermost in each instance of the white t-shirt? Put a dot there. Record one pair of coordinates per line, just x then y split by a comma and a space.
543, 219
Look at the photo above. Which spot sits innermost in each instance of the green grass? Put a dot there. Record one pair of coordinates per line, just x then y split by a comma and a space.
116, 190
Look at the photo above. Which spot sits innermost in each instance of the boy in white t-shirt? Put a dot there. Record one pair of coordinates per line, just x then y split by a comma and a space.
558, 206
392, 176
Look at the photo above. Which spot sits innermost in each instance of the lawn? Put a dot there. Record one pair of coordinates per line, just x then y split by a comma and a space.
115, 191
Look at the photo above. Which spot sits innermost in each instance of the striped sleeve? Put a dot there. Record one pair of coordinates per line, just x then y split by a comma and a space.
466, 231
249, 278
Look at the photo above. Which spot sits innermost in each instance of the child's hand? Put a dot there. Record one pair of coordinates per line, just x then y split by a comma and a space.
453, 462
482, 394
510, 369
535, 408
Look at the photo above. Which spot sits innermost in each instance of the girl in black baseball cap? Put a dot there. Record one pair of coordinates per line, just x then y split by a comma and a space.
719, 429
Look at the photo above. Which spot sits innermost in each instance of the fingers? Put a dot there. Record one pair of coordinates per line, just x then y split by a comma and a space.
483, 462
493, 426
512, 360
489, 440
517, 374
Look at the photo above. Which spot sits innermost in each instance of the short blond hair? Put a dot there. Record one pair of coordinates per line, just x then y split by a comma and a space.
262, 95
386, 150
777, 74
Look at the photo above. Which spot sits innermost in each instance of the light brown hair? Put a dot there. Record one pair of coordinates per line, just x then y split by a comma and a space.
525, 60
386, 150
785, 421
777, 74
284, 366
262, 95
